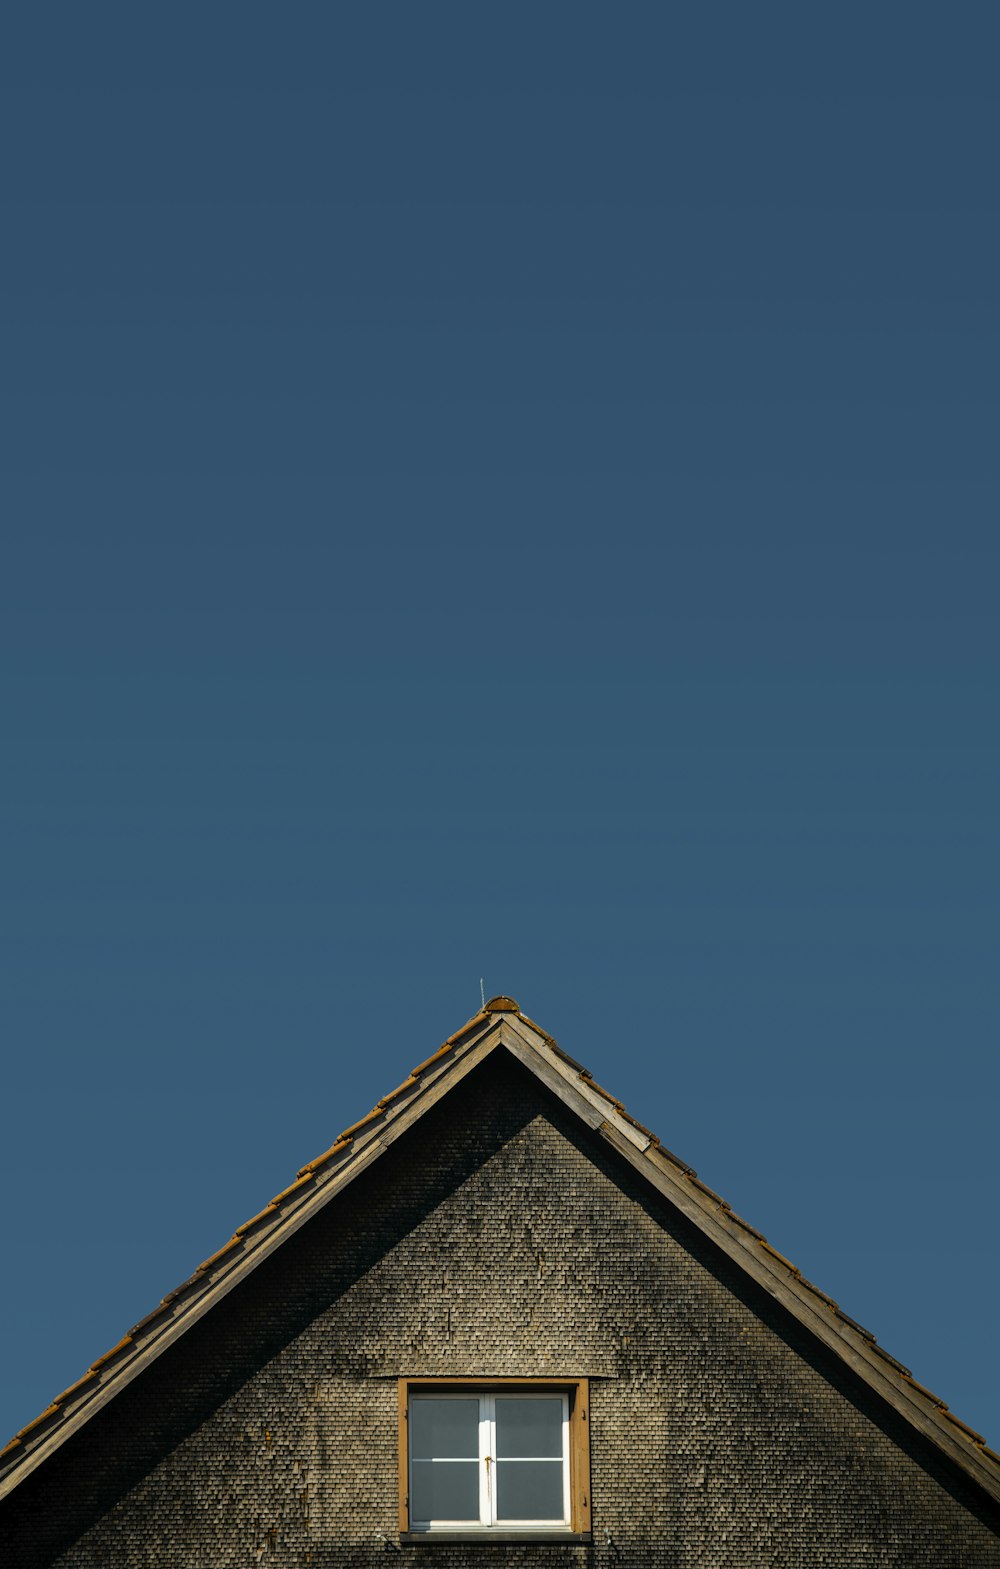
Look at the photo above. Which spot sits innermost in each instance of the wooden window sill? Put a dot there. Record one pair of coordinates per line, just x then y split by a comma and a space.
491, 1536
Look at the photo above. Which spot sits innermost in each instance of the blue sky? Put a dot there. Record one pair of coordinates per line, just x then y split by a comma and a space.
507, 496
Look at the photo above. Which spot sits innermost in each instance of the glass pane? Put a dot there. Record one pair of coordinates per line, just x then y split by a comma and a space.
529, 1427
444, 1429
529, 1489
444, 1490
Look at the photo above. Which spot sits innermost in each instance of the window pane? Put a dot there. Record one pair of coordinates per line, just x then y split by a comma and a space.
444, 1429
529, 1427
529, 1489
444, 1490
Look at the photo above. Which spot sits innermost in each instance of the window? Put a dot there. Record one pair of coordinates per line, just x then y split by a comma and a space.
494, 1459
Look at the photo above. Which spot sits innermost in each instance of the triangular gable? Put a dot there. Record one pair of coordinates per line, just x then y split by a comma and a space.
500, 1025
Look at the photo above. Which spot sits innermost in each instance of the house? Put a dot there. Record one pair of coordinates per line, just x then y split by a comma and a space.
497, 1322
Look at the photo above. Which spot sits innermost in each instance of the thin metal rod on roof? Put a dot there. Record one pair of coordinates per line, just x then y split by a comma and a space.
482, 992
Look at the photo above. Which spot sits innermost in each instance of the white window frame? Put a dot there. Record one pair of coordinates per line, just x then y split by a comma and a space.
487, 1459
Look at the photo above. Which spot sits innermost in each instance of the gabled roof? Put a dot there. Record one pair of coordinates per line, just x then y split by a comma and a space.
500, 1025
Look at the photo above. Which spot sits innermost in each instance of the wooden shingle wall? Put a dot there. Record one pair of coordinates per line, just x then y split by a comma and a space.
499, 1238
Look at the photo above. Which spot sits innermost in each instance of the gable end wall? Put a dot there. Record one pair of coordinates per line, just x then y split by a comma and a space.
499, 1239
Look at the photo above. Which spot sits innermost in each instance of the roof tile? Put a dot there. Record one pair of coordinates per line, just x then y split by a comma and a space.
883, 1353
408, 1084
745, 1225
213, 1259
340, 1146
616, 1103
267, 1213
922, 1389
565, 1057
977, 1438
858, 1328
549, 1040
637, 1124
429, 1062
362, 1122
67, 1394
43, 1416
157, 1312
675, 1160
108, 1356
821, 1294
293, 1187
185, 1286
779, 1256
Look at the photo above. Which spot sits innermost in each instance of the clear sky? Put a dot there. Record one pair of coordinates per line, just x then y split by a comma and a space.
505, 493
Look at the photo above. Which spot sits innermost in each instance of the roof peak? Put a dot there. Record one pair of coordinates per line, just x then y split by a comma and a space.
501, 1004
